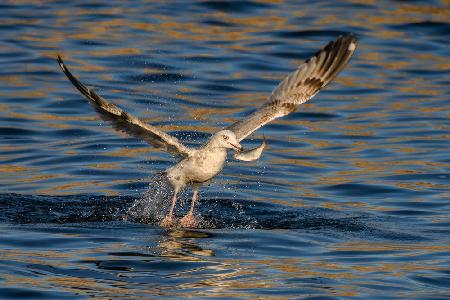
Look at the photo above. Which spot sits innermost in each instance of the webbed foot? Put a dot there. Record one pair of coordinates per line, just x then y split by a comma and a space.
168, 221
189, 221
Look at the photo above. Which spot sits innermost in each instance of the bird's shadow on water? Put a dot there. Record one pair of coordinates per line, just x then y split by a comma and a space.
216, 214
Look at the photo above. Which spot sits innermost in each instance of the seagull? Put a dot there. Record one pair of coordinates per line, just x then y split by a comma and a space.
199, 165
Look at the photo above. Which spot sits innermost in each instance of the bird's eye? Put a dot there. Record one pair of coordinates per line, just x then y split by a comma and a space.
225, 137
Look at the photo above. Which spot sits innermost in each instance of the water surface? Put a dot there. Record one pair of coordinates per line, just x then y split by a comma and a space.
350, 200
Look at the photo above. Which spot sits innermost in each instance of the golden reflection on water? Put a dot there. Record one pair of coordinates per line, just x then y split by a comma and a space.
230, 275
362, 116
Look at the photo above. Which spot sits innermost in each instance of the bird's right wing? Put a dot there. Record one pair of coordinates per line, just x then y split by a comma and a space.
300, 86
125, 122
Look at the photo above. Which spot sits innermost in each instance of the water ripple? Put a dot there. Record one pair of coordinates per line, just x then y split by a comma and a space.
349, 200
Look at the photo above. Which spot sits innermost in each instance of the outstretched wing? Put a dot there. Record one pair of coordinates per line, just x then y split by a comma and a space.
300, 86
125, 122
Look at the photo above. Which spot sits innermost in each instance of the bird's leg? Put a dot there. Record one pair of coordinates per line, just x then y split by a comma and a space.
168, 220
189, 220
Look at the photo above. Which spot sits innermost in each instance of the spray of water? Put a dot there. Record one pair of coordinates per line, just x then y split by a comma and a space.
154, 204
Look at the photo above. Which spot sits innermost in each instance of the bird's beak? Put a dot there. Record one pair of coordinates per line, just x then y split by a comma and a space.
237, 147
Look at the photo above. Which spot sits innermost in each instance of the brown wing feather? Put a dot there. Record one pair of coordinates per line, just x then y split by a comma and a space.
300, 86
125, 122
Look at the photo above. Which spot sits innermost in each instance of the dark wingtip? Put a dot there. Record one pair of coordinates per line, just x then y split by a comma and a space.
61, 63
353, 38
83, 89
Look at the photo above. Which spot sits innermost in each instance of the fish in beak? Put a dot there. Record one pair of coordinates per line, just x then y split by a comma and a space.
252, 154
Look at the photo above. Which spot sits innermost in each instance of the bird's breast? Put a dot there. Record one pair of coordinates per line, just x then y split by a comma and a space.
204, 165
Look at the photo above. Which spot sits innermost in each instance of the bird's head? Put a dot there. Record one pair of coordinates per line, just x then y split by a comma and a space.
226, 139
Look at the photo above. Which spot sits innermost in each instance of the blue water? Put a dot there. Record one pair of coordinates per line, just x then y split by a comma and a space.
350, 200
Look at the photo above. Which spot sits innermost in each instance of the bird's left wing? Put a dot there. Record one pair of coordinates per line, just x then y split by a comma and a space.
300, 86
125, 122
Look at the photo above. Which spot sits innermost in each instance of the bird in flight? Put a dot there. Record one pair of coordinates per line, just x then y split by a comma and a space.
199, 165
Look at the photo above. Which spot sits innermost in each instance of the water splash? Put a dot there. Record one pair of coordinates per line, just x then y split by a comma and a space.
154, 204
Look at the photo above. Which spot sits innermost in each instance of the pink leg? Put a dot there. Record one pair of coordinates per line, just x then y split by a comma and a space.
189, 220
168, 220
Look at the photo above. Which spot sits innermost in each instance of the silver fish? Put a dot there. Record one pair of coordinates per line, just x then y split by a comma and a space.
252, 154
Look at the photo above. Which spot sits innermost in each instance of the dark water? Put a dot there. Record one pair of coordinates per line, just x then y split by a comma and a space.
351, 200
